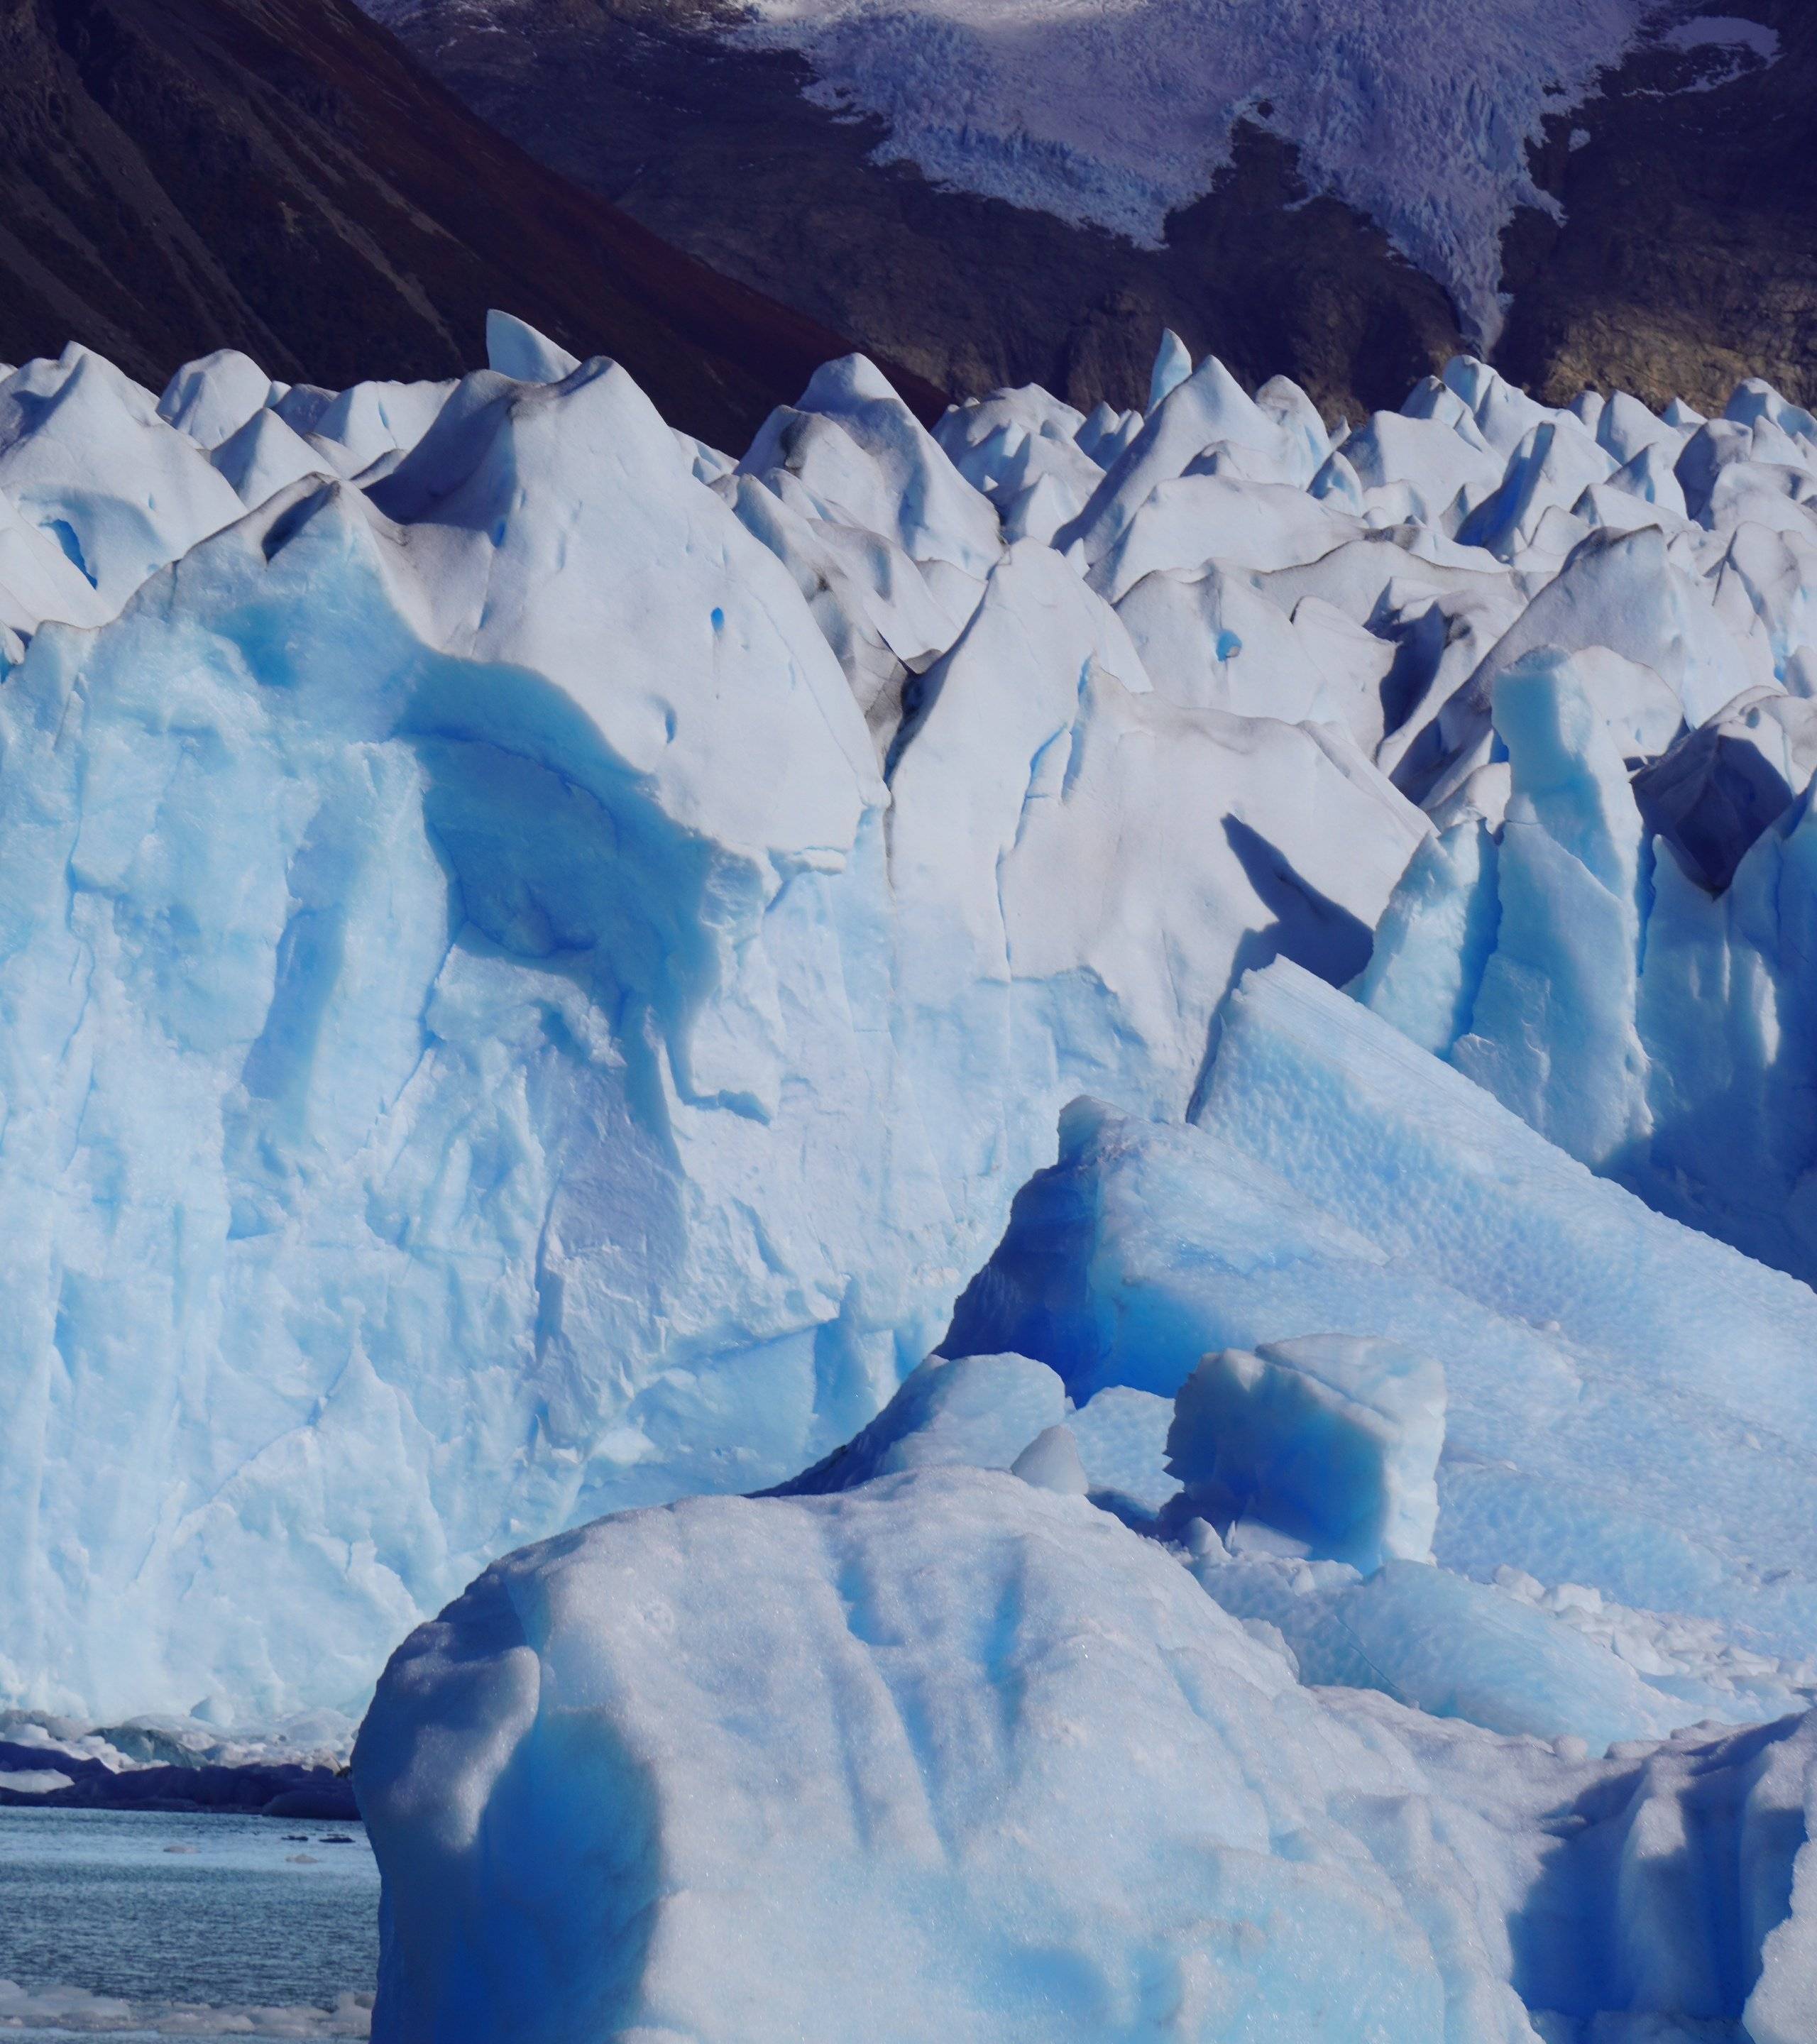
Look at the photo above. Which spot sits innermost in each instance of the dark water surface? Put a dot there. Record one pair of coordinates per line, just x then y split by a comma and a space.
244, 1909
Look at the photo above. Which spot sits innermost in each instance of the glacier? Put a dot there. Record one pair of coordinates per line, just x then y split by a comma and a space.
486, 1043
1088, 1138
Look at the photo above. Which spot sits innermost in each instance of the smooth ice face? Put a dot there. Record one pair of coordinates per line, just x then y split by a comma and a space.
952, 1755
1330, 1442
980, 1411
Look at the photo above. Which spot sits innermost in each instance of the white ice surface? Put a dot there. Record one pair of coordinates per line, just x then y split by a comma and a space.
535, 958
1629, 1404
952, 1755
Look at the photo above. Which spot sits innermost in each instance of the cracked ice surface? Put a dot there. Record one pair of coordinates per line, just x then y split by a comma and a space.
537, 957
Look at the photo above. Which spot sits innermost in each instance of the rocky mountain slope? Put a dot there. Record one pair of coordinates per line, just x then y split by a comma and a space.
1688, 242
176, 175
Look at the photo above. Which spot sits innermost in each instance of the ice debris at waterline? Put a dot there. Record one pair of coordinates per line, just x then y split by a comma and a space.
66, 2012
536, 958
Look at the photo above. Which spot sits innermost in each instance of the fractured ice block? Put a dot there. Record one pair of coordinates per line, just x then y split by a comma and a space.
1332, 1440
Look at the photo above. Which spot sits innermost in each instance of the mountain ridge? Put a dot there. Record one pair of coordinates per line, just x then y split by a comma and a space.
283, 177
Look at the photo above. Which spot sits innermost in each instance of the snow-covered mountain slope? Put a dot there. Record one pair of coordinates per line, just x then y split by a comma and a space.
537, 957
1344, 190
1119, 115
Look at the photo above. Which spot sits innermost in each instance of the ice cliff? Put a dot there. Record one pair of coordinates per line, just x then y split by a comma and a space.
1185, 1034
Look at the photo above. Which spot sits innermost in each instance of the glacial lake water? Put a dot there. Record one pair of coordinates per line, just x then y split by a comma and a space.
234, 1911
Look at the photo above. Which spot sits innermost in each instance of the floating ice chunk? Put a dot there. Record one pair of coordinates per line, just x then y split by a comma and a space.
1050, 1461
515, 349
747, 1770
1332, 1440
58, 2011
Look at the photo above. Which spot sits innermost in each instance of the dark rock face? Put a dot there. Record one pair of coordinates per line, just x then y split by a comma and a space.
278, 175
715, 150
1688, 257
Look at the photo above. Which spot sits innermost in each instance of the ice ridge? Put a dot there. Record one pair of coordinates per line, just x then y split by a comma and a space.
538, 955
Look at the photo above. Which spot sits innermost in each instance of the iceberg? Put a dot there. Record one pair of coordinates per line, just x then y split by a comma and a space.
955, 1754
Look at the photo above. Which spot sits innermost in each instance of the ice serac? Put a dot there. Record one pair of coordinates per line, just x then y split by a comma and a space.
486, 1046
537, 957
515, 349
1551, 1029
954, 1755
86, 457
1066, 918
211, 399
